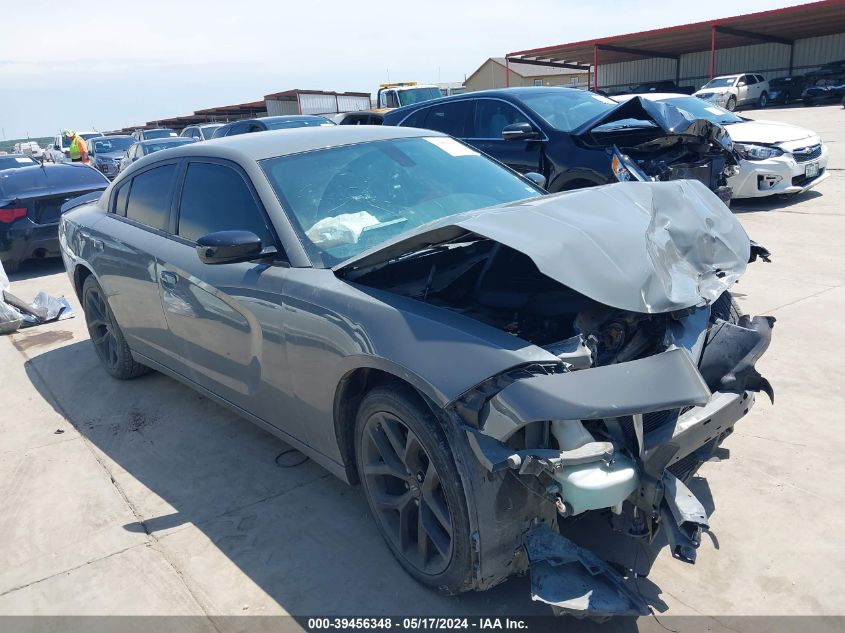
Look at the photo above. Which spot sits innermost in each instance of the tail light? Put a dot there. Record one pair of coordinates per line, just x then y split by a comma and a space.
7, 216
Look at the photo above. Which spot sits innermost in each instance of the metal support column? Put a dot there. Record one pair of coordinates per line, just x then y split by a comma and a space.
507, 73
712, 51
596, 69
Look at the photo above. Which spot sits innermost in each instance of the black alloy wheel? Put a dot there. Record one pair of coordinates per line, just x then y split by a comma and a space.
408, 494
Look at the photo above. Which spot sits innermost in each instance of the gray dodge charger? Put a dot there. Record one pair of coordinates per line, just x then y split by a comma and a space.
489, 362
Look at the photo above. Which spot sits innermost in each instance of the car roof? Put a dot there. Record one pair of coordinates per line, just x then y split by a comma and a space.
105, 138
166, 139
273, 143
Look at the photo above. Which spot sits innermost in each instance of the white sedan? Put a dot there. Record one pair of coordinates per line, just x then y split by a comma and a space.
777, 158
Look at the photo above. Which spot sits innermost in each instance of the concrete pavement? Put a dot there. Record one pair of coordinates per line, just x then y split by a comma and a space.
153, 500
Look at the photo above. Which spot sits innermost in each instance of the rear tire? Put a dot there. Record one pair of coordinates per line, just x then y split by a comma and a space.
731, 104
108, 341
413, 488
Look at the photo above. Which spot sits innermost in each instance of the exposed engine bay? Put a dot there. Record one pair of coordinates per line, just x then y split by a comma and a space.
666, 143
501, 287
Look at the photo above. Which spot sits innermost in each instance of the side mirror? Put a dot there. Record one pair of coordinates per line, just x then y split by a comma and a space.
519, 131
227, 247
741, 84
537, 179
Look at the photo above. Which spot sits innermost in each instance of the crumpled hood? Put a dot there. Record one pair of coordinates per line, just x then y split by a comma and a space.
670, 119
768, 132
638, 246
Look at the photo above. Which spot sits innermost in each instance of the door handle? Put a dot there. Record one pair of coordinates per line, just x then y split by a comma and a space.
168, 278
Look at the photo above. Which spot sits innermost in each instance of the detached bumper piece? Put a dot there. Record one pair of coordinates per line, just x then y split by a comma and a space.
574, 581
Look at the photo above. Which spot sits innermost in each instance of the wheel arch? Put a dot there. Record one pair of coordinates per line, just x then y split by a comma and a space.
354, 386
81, 272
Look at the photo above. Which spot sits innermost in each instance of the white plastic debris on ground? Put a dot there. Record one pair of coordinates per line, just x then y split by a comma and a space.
15, 314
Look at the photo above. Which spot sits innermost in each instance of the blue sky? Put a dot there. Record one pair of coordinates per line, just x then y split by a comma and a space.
106, 65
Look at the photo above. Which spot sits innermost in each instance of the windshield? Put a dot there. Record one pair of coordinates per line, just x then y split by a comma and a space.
417, 95
10, 162
148, 134
565, 110
112, 145
344, 200
284, 124
701, 109
157, 147
720, 82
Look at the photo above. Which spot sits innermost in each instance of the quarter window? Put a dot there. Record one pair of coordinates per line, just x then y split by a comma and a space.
491, 116
120, 200
149, 197
216, 198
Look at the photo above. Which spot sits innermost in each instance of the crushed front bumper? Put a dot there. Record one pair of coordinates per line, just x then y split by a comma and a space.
666, 414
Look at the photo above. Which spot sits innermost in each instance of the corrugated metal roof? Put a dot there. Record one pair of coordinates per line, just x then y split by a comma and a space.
825, 17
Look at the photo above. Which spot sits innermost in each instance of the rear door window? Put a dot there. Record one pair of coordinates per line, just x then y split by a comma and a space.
216, 198
450, 117
150, 195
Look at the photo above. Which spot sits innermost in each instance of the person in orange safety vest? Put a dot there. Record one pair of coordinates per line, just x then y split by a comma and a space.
78, 146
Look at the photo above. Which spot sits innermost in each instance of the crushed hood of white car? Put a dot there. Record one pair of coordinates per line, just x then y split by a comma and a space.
645, 247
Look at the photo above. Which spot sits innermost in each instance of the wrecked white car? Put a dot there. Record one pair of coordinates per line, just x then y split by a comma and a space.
485, 359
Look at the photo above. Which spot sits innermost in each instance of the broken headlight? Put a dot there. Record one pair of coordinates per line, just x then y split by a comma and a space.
757, 152
625, 169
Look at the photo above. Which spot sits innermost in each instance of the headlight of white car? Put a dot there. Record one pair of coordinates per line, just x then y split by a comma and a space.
757, 152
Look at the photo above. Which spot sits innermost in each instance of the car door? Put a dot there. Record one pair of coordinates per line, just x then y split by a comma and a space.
484, 132
126, 248
226, 319
749, 91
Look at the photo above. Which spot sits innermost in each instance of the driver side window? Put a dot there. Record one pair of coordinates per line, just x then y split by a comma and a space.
216, 198
491, 117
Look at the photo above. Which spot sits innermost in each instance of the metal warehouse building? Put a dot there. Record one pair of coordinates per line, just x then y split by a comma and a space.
774, 43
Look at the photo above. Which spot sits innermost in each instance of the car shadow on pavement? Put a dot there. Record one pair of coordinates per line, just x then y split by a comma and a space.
772, 203
33, 268
205, 486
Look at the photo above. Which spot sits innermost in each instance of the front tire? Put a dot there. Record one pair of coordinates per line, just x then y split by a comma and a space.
413, 488
106, 335
763, 101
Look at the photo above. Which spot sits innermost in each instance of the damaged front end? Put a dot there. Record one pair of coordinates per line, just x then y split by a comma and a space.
661, 142
650, 366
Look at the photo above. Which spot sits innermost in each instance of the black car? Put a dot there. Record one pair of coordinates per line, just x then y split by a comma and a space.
658, 86
782, 90
31, 197
568, 135
247, 126
106, 152
825, 84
